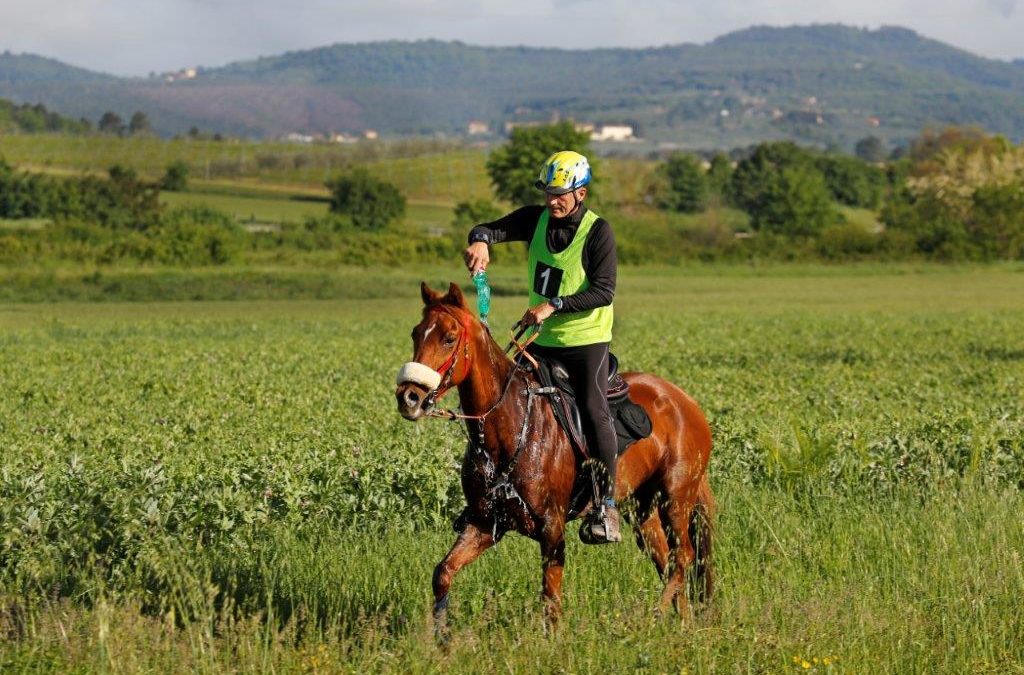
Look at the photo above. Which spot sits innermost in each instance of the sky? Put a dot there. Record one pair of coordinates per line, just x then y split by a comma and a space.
136, 37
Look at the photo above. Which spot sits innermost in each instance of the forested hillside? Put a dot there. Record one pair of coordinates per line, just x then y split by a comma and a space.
825, 85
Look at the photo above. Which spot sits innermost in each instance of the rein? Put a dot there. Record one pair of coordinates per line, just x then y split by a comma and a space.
499, 484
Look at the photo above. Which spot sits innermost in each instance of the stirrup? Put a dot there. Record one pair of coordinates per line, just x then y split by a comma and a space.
594, 528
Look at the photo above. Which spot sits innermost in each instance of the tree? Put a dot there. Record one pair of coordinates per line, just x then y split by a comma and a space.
961, 196
687, 188
111, 123
870, 149
514, 166
370, 203
852, 181
175, 177
996, 223
468, 214
748, 179
783, 191
139, 124
795, 202
719, 174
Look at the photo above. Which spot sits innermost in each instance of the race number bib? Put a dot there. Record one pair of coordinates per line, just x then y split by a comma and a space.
546, 280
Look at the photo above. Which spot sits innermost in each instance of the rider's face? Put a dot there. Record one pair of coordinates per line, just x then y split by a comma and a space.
562, 205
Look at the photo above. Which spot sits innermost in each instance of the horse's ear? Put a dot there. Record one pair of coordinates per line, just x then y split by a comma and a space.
454, 296
430, 297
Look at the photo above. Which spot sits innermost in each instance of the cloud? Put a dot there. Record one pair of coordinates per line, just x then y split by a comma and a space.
1005, 7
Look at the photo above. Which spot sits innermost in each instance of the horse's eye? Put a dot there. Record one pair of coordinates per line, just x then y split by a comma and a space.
450, 338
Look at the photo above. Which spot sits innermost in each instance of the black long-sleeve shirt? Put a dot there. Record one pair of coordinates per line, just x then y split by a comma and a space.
600, 261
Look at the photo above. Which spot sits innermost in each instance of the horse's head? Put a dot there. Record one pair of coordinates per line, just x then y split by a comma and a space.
442, 345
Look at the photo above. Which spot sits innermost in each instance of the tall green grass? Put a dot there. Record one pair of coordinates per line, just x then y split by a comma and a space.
211, 486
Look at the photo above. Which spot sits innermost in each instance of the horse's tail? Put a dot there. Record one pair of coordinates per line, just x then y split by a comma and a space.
701, 530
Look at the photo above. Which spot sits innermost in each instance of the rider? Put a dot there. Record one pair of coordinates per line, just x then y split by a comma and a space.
572, 268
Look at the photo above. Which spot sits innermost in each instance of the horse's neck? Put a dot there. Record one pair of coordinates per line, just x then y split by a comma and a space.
484, 385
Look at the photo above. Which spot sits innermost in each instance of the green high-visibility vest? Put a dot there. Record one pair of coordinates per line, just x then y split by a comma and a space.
560, 274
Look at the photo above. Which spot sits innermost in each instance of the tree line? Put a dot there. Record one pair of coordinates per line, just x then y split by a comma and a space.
957, 194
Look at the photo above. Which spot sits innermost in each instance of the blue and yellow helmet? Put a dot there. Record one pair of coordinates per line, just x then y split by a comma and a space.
563, 172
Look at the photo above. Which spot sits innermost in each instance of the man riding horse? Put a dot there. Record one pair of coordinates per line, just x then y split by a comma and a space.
572, 272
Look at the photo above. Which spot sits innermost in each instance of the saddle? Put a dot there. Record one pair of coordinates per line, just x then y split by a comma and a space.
631, 421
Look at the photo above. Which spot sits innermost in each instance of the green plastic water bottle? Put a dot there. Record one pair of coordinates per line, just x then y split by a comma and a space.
483, 295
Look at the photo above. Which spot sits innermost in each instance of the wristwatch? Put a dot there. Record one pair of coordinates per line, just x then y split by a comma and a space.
557, 303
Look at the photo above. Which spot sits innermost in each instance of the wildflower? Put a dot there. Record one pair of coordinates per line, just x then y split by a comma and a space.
805, 664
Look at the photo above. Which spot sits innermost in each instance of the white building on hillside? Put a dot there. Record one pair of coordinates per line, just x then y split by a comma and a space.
613, 132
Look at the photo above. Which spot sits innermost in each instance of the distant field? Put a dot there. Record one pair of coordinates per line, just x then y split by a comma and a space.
426, 171
437, 172
218, 486
249, 209
284, 208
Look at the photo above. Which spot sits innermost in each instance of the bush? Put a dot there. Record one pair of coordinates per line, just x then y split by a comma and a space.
369, 202
175, 177
193, 236
847, 241
121, 201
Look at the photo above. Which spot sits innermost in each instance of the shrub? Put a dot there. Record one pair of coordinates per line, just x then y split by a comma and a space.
175, 177
197, 236
370, 203
847, 241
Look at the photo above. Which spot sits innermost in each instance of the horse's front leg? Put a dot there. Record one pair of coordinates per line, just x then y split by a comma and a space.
471, 543
552, 550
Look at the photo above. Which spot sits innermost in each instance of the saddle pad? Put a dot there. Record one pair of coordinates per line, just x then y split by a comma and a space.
631, 421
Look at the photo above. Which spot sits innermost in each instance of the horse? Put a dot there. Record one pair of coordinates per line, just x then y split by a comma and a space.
519, 469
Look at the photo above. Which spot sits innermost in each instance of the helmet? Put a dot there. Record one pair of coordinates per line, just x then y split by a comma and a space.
563, 172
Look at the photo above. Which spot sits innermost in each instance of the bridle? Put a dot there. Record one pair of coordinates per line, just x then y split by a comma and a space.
447, 368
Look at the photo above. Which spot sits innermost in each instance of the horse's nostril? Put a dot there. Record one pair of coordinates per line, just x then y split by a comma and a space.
411, 398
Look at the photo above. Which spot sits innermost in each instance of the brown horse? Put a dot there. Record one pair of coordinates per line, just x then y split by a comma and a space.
520, 468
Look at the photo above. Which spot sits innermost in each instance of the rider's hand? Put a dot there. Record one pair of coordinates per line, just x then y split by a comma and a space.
535, 316
476, 256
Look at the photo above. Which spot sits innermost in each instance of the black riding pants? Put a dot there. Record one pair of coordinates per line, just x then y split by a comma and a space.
588, 374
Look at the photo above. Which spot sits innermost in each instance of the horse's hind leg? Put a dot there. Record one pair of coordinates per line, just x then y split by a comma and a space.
676, 515
471, 543
650, 533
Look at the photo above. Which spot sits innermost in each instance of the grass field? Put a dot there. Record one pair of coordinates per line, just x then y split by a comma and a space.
423, 170
212, 486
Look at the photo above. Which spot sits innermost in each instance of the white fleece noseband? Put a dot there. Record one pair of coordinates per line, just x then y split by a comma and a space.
417, 373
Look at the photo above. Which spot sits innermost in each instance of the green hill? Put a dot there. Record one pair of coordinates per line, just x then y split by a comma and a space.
824, 84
